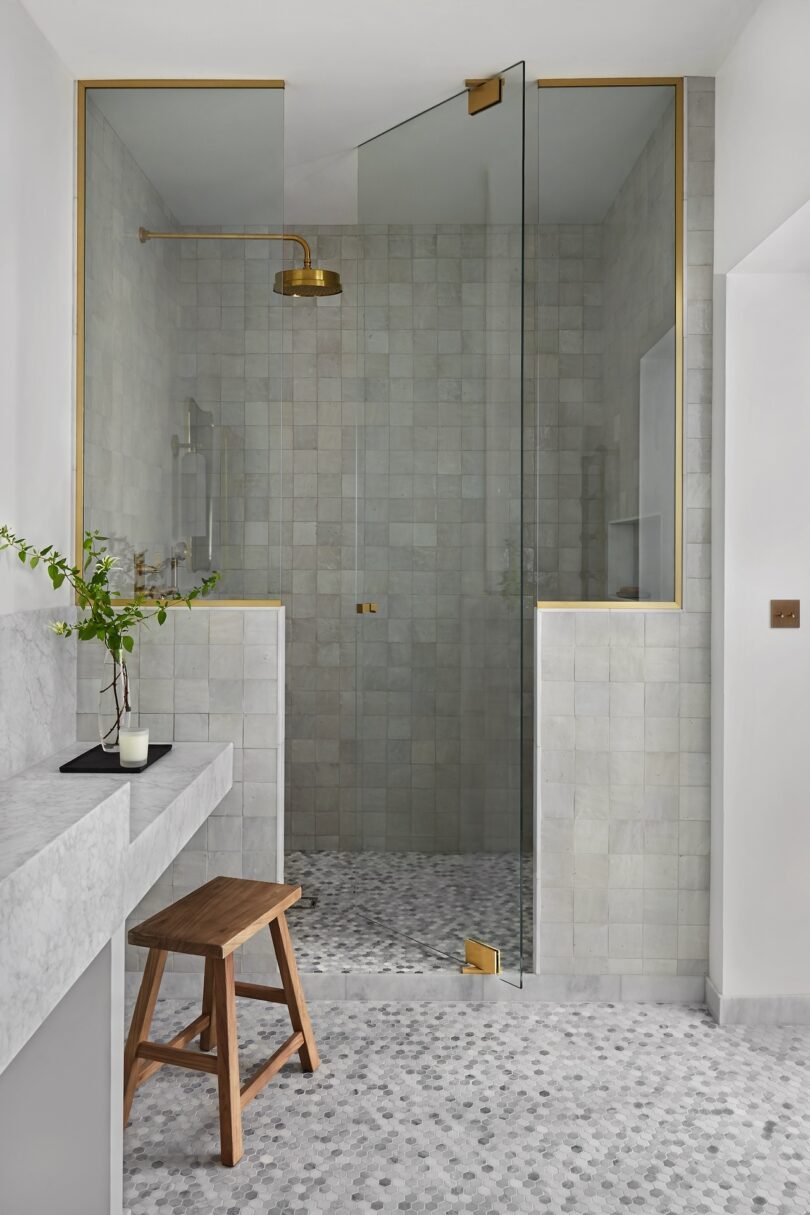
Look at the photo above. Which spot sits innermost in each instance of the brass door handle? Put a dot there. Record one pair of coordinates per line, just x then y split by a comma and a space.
364, 609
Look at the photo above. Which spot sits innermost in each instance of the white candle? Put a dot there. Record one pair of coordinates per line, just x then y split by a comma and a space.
133, 748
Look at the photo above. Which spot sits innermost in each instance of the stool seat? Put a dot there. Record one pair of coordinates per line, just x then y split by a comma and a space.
211, 922
214, 920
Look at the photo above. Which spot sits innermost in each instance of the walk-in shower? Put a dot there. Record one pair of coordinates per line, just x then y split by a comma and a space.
475, 407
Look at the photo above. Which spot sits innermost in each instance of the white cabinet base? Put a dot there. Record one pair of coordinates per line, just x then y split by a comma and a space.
61, 1135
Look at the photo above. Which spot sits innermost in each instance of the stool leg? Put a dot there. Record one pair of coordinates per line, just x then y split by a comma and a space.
230, 1106
294, 992
208, 1037
141, 1022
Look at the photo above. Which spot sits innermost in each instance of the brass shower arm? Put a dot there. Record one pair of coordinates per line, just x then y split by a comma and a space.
144, 235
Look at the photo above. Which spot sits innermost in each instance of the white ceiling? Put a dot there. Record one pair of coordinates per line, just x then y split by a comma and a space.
355, 67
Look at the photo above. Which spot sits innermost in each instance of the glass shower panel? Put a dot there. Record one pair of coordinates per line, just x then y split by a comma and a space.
183, 334
439, 603
608, 358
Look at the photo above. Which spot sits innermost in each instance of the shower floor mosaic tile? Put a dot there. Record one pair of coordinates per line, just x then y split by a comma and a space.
402, 912
592, 1110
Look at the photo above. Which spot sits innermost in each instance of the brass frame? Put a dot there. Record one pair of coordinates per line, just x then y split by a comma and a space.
678, 83
83, 86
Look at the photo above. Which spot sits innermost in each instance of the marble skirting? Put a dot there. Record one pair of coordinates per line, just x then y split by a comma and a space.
757, 1010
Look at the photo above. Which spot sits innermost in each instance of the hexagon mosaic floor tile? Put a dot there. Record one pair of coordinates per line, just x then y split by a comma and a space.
405, 912
488, 1109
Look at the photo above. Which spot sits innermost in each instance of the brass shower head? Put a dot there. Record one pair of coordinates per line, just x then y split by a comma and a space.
307, 281
301, 281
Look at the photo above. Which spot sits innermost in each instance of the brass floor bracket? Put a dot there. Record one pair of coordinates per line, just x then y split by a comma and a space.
481, 94
480, 959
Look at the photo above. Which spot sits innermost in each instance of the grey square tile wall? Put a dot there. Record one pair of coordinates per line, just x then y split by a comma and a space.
401, 391
624, 750
213, 675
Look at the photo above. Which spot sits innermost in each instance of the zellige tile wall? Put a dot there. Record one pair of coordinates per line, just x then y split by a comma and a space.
403, 452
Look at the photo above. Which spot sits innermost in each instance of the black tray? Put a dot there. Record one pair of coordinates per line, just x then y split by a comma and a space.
98, 760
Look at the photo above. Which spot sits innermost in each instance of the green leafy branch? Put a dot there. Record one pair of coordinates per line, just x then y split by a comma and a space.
105, 621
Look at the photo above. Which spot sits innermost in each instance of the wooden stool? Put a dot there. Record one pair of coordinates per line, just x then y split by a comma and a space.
212, 922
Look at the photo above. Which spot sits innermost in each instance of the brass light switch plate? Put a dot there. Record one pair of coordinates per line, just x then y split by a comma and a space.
785, 614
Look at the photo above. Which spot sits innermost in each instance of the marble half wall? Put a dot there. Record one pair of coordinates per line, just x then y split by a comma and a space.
37, 689
213, 674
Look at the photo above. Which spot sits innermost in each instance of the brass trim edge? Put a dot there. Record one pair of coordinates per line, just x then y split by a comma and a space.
606, 81
205, 603
619, 605
180, 83
81, 166
680, 253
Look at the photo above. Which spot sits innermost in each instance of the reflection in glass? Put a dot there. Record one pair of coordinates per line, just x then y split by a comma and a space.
606, 317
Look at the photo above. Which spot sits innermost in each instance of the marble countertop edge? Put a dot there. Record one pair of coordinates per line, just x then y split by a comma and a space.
79, 855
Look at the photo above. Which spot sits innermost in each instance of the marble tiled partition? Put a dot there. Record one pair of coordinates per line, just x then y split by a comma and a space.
217, 675
623, 758
623, 796
37, 688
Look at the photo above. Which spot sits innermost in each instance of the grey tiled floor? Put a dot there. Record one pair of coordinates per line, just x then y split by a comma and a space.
407, 912
472, 1108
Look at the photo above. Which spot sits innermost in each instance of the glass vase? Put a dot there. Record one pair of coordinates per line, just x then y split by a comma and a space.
114, 699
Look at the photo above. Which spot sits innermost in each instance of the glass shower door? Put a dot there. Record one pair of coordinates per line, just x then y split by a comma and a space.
440, 678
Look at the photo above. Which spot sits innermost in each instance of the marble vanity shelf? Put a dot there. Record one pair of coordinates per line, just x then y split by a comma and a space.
77, 854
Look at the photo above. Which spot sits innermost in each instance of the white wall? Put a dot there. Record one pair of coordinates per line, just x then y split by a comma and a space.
760, 895
763, 119
36, 302
766, 731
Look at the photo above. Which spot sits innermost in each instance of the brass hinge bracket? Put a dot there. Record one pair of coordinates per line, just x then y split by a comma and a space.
480, 959
481, 94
